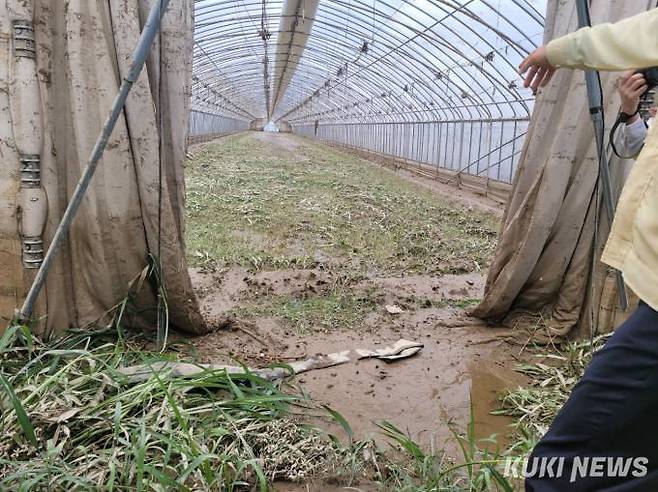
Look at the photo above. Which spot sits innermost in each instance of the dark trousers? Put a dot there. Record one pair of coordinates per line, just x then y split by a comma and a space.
612, 412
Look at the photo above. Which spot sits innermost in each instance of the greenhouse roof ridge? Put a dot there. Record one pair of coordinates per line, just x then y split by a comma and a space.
364, 60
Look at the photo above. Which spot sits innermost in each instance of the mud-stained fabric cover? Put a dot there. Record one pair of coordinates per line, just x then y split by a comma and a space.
84, 50
544, 258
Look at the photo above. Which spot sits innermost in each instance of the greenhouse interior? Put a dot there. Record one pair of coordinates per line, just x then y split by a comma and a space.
297, 245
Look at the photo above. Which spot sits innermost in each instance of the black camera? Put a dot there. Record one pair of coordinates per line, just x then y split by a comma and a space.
647, 100
651, 77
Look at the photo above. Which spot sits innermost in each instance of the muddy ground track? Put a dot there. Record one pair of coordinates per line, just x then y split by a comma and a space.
463, 360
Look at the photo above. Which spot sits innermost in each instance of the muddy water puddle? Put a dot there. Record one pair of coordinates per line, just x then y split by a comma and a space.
427, 396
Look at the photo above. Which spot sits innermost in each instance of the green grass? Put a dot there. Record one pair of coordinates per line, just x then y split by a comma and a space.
340, 308
480, 468
252, 204
70, 419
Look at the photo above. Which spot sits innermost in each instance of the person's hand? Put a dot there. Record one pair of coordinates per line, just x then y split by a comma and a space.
653, 110
631, 87
538, 68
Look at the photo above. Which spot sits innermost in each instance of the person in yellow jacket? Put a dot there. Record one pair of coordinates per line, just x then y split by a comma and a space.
605, 438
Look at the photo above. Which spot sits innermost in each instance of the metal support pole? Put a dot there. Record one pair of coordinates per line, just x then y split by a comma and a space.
595, 96
140, 54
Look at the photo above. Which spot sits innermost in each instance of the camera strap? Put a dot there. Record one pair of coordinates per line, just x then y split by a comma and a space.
622, 118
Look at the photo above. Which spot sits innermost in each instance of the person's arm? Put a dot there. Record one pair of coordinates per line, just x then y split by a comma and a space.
629, 44
631, 133
631, 87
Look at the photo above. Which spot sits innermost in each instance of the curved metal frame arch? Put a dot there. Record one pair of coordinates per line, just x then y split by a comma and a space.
437, 67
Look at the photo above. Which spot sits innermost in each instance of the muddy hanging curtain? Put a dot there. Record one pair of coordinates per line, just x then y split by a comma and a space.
61, 64
544, 258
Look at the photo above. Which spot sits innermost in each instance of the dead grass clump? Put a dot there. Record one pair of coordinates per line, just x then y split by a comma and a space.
551, 382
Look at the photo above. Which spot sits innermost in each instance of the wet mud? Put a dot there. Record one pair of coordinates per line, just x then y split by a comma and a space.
464, 364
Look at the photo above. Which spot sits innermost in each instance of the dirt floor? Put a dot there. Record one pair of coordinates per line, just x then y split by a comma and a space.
300, 249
